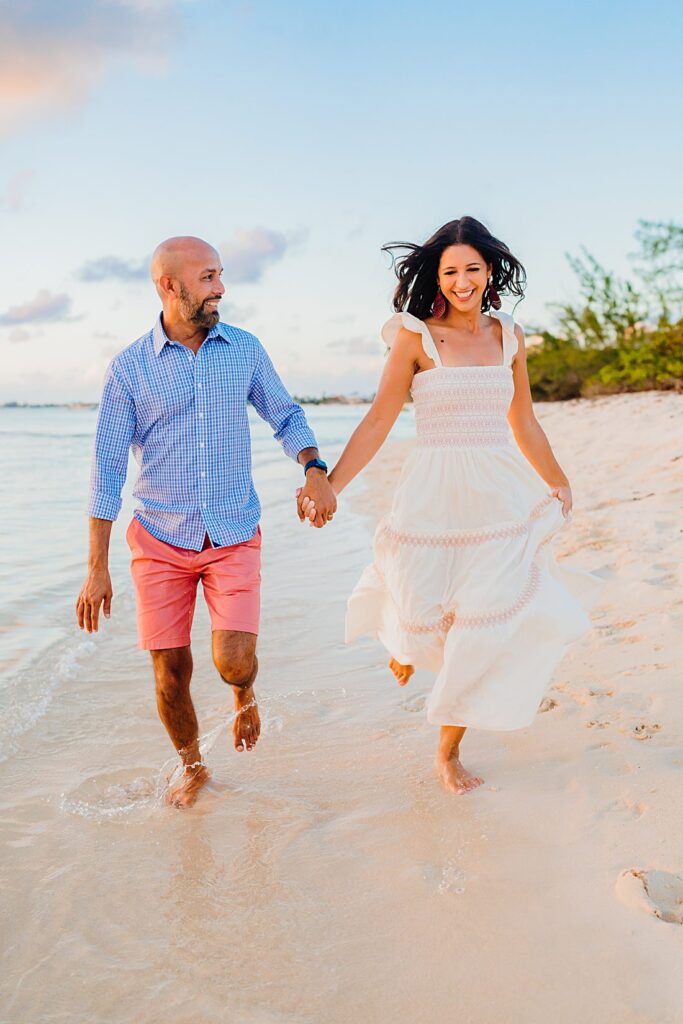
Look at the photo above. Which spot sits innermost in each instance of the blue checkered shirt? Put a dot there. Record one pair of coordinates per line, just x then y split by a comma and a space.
185, 418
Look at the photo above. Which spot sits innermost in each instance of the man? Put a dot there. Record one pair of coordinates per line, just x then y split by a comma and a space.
178, 397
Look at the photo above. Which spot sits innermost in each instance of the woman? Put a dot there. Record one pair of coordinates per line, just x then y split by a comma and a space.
463, 581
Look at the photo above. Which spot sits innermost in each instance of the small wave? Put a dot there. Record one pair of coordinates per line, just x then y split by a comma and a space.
45, 434
125, 796
29, 693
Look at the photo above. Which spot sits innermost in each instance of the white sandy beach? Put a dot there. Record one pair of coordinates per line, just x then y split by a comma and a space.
325, 877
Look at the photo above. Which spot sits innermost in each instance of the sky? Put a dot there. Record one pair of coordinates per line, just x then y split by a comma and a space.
298, 138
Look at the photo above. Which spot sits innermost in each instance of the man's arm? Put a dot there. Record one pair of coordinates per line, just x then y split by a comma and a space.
97, 589
115, 430
274, 404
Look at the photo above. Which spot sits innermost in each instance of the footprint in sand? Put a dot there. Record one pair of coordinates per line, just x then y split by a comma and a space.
629, 810
595, 724
547, 704
656, 892
415, 703
585, 695
642, 731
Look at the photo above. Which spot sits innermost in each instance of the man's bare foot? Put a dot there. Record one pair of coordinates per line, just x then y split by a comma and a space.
247, 725
184, 792
454, 778
402, 672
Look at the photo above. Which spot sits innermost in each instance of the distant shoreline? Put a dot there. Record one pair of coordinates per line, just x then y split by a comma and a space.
90, 406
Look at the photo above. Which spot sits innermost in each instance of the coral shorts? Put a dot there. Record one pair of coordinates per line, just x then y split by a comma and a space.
166, 579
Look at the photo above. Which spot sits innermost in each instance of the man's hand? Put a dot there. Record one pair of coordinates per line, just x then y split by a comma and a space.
316, 501
95, 591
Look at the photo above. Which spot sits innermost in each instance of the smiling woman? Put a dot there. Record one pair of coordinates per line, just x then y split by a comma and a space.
419, 273
463, 581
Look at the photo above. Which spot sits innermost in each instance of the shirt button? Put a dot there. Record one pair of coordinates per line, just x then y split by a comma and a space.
201, 415
204, 505
199, 386
203, 473
201, 444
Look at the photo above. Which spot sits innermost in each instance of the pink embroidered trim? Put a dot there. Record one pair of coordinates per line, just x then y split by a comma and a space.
427, 439
494, 618
462, 538
483, 371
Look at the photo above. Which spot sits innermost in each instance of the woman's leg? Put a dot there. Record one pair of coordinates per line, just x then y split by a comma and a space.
449, 771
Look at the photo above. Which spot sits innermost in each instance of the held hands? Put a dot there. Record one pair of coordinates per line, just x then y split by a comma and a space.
316, 500
96, 591
564, 494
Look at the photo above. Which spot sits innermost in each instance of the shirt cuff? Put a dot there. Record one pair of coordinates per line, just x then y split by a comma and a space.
297, 440
104, 506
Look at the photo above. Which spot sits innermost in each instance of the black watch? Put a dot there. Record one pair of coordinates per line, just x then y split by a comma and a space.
317, 463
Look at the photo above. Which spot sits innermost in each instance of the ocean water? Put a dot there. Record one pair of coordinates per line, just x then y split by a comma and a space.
44, 468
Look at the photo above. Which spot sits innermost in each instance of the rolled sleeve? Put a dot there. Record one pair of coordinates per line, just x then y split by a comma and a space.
115, 430
276, 406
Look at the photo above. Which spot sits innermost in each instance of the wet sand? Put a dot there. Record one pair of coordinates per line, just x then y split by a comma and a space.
324, 876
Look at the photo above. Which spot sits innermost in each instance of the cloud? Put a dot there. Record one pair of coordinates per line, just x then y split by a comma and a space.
112, 267
358, 345
252, 250
15, 192
52, 54
45, 306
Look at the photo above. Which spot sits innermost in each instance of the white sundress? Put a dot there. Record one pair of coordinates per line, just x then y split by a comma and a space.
464, 581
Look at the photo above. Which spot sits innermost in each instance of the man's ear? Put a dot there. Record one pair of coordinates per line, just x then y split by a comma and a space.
168, 286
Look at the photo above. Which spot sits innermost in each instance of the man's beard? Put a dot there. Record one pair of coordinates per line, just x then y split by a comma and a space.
196, 312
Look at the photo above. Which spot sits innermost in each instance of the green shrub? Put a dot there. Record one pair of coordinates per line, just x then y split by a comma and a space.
618, 336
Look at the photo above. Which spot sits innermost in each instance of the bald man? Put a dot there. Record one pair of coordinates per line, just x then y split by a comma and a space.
177, 397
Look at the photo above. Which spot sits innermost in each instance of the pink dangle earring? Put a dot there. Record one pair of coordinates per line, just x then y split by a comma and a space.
439, 306
493, 296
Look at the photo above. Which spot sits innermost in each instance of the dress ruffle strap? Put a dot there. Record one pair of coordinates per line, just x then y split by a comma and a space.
510, 342
411, 323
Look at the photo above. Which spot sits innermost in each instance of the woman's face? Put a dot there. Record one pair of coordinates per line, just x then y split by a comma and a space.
463, 275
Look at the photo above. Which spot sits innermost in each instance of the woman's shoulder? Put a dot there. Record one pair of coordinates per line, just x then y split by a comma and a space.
401, 325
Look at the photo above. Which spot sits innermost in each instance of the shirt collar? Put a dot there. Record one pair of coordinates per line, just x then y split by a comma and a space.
160, 338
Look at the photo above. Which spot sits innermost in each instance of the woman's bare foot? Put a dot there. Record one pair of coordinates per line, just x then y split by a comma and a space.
247, 725
453, 777
402, 672
184, 793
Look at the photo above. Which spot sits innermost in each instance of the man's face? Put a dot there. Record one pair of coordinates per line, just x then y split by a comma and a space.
200, 290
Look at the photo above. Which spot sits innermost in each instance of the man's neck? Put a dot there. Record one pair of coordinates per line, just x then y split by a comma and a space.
183, 332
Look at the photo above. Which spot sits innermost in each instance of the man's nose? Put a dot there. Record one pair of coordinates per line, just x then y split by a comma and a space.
220, 288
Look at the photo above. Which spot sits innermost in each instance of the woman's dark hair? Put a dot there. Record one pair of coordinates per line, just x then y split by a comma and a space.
418, 270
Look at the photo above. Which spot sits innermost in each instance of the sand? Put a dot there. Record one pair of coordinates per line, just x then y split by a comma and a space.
325, 877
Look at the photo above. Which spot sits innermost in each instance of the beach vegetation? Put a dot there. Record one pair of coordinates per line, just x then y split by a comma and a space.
619, 334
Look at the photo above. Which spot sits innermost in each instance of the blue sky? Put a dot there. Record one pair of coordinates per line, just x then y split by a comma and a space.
299, 138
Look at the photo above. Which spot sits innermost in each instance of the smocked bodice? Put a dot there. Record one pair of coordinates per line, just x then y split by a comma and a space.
462, 406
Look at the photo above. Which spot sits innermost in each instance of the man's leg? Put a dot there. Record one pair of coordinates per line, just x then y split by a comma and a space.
234, 655
172, 676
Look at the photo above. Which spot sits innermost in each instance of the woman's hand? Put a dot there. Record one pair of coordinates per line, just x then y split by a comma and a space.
564, 494
305, 507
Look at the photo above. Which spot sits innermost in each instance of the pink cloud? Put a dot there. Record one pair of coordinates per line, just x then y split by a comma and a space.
43, 307
51, 54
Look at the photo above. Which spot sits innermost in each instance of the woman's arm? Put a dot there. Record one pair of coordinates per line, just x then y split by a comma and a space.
529, 434
370, 434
